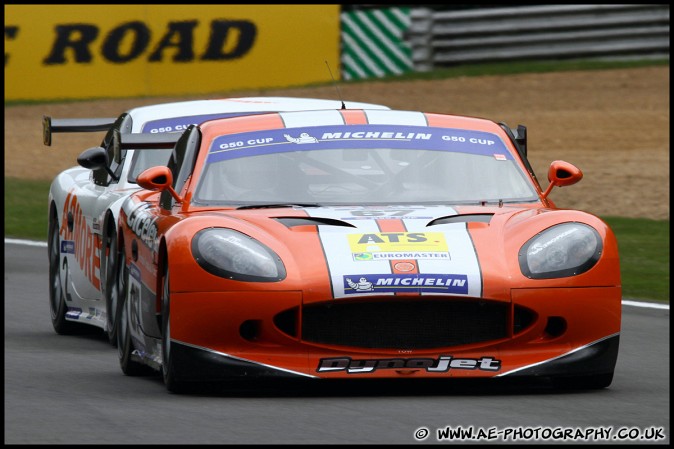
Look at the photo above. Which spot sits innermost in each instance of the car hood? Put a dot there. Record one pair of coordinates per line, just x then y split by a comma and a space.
467, 251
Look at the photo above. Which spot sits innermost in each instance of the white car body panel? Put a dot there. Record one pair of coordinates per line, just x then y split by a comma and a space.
73, 192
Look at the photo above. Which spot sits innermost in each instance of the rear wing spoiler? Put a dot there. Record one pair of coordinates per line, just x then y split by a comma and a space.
120, 141
144, 141
96, 158
73, 125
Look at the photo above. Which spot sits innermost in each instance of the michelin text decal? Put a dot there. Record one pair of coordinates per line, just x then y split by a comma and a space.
418, 282
358, 137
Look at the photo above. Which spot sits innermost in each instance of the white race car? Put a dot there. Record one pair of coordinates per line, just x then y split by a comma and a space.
84, 201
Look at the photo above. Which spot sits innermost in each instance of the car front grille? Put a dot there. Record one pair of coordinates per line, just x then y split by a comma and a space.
385, 323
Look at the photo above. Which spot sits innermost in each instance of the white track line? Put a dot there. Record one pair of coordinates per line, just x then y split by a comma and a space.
26, 242
625, 302
648, 305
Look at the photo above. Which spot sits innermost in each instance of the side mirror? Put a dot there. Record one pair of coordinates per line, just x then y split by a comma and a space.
96, 158
158, 179
562, 174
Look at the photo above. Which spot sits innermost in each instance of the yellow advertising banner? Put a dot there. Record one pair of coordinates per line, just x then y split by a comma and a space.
93, 51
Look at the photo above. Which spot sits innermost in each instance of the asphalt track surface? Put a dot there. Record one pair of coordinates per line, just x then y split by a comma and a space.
70, 390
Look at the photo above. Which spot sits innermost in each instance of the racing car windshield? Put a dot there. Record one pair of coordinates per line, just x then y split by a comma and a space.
365, 164
143, 160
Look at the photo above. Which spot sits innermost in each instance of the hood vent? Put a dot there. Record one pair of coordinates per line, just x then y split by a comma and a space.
291, 222
467, 218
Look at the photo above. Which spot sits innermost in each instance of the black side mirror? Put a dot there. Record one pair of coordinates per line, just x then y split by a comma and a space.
94, 159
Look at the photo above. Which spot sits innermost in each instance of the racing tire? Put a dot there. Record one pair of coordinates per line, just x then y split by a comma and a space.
57, 295
125, 348
167, 367
114, 284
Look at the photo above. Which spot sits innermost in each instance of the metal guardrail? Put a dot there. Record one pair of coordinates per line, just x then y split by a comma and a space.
446, 38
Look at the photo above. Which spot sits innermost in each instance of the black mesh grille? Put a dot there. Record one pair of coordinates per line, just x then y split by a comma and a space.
404, 324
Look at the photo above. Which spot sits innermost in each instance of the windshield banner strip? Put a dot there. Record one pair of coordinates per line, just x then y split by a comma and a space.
357, 137
173, 124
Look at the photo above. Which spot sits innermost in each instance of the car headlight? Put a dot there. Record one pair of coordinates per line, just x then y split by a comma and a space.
560, 251
234, 255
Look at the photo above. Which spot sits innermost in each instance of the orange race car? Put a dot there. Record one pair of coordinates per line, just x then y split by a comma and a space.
360, 244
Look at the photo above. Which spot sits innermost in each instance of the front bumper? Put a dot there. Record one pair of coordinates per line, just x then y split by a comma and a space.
225, 335
201, 364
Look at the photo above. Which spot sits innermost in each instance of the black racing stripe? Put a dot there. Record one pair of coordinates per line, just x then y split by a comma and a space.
477, 259
325, 256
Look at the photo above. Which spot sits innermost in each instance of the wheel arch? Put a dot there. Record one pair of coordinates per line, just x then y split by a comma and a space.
63, 186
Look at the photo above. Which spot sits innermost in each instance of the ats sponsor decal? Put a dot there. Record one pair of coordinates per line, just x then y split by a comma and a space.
398, 245
442, 364
418, 282
85, 244
356, 137
142, 223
